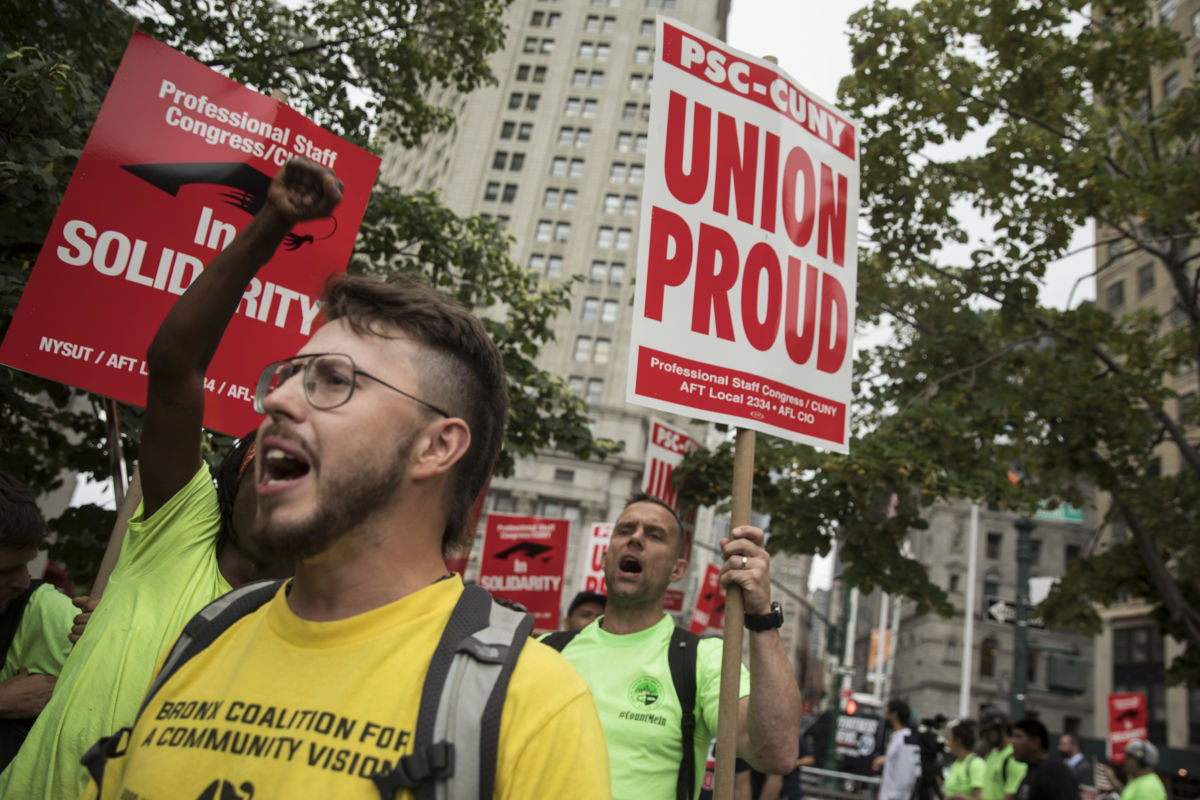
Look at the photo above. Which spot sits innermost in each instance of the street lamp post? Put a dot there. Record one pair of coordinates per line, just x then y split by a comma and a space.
1024, 527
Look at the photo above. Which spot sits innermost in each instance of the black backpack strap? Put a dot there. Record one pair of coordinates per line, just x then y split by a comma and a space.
199, 632
681, 658
10, 620
558, 640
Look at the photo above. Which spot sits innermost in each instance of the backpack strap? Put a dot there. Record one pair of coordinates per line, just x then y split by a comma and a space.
558, 640
681, 658
455, 749
200, 631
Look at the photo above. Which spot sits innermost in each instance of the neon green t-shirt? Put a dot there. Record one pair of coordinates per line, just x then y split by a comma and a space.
635, 696
40, 644
965, 775
1002, 778
1145, 787
167, 571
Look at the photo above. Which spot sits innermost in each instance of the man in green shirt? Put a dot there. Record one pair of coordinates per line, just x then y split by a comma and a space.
1004, 773
623, 657
35, 619
1141, 758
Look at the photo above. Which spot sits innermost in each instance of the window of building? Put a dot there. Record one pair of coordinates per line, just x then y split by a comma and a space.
624, 238
515, 99
624, 142
601, 353
666, 5
568, 199
636, 171
617, 171
509, 194
544, 230
1194, 692
587, 50
553, 20
991, 589
1154, 469
537, 263
559, 509
583, 137
591, 309
1070, 555
612, 203
531, 101
523, 72
506, 130
554, 267
608, 25
595, 79
583, 348
576, 170
547, 46
573, 106
1145, 279
566, 135
1171, 85
954, 582
987, 658
603, 50
562, 231
499, 159
516, 162
537, 18
636, 81
629, 206
564, 475
629, 111
1166, 11
1196, 34
1115, 295
994, 540
1139, 666
1187, 406
642, 55
575, 384
639, 143
646, 28
558, 167
1035, 551
503, 504
595, 389
539, 73
616, 273
589, 109
491, 191
579, 77
591, 23
530, 45
598, 271
608, 313
604, 236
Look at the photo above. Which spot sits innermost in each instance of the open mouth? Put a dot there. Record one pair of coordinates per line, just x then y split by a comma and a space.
283, 463
629, 564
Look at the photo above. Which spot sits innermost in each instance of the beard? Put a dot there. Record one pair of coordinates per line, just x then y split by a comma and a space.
344, 501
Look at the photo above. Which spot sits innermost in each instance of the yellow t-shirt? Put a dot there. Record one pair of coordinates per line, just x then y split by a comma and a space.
280, 706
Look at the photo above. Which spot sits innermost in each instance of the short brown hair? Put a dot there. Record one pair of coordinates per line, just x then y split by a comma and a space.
21, 523
460, 370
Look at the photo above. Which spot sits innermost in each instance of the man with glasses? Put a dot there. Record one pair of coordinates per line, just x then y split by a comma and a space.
189, 541
378, 437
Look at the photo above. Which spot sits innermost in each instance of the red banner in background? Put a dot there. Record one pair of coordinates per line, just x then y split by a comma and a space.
179, 161
1127, 720
593, 569
523, 561
709, 614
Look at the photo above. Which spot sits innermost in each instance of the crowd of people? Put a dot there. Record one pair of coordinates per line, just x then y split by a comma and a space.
286, 626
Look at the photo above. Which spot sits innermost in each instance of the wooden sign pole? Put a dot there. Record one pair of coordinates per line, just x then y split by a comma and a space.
731, 662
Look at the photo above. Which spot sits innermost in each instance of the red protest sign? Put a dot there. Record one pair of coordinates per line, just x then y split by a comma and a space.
1127, 720
593, 568
747, 262
709, 614
177, 163
523, 561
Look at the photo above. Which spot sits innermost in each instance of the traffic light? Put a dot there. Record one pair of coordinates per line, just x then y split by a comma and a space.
851, 707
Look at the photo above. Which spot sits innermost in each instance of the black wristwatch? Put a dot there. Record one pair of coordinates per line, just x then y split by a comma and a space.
765, 622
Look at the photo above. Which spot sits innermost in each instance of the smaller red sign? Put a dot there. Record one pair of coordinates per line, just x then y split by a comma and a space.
593, 569
523, 561
673, 600
709, 614
1127, 721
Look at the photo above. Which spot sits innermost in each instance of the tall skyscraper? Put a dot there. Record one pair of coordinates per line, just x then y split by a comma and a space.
555, 151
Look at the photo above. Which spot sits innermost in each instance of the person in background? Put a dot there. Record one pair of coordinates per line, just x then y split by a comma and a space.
1141, 758
1004, 773
1072, 756
966, 775
35, 619
584, 608
1045, 778
902, 762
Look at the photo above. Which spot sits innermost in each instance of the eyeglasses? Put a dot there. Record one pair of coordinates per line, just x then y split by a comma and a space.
328, 381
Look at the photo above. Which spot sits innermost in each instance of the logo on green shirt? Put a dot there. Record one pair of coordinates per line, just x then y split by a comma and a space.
645, 692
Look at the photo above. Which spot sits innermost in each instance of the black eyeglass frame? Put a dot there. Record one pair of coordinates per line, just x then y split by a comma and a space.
261, 389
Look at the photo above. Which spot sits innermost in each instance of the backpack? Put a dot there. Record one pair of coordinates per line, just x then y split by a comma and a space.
681, 658
454, 745
927, 786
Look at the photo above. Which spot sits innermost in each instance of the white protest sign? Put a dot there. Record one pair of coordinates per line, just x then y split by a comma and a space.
593, 569
747, 258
